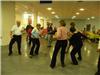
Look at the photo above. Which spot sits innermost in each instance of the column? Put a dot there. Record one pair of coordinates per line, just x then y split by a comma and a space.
8, 20
35, 18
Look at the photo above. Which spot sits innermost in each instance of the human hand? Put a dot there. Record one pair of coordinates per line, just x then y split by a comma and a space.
98, 50
11, 36
54, 37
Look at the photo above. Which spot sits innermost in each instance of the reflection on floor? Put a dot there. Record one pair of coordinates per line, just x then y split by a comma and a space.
39, 65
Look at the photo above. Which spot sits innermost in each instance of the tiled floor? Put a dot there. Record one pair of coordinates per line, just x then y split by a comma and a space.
39, 65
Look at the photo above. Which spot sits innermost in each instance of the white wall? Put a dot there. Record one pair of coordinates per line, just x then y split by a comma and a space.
0, 36
0, 24
80, 24
8, 20
95, 22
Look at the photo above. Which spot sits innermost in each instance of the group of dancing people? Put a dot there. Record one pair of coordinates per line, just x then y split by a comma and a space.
61, 34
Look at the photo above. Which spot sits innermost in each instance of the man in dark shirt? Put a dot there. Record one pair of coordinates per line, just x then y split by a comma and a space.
72, 26
77, 43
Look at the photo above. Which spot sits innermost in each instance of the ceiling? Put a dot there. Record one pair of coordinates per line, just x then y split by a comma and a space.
64, 9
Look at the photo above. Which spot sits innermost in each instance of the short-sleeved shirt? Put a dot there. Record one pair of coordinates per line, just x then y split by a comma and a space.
17, 30
29, 30
62, 33
28, 27
35, 33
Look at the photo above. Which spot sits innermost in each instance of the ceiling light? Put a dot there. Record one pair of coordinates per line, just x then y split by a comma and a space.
77, 13
88, 18
92, 17
73, 17
82, 9
41, 17
49, 8
53, 12
25, 12
56, 16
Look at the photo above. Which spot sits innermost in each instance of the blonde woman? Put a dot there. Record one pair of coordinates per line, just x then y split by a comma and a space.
60, 43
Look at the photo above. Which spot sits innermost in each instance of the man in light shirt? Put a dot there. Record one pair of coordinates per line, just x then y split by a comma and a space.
98, 50
15, 34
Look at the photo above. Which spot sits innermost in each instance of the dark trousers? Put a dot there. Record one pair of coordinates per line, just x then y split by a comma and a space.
99, 66
36, 43
30, 40
76, 49
16, 38
59, 44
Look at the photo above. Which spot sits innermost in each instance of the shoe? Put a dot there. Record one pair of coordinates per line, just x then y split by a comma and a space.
52, 66
75, 63
79, 59
30, 56
97, 73
63, 65
10, 54
36, 53
20, 53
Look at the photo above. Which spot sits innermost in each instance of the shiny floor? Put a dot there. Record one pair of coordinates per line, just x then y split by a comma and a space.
39, 65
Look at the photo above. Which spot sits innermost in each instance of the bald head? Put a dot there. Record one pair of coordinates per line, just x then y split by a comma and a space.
18, 23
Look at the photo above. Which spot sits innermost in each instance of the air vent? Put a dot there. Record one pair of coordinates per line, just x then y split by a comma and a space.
45, 1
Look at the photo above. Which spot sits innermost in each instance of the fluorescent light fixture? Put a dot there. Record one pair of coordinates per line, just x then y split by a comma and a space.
92, 17
73, 17
82, 9
53, 12
49, 8
77, 13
